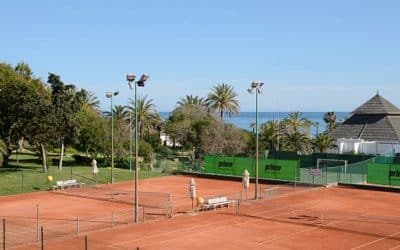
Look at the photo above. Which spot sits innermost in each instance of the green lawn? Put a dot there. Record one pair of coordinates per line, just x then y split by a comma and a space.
27, 175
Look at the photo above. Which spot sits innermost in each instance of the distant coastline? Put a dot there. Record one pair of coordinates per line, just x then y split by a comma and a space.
244, 119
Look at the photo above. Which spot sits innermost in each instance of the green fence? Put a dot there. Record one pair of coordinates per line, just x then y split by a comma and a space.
268, 168
384, 174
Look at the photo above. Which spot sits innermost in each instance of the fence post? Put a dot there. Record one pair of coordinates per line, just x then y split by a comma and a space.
41, 238
86, 242
77, 226
4, 234
37, 222
143, 214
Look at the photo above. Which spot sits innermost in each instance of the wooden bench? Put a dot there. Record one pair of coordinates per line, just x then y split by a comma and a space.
68, 184
213, 203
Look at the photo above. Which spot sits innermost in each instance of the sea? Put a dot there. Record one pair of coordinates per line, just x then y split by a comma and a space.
245, 119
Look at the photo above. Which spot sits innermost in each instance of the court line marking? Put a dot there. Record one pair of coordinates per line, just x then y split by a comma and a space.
240, 223
186, 229
396, 247
377, 240
210, 224
310, 229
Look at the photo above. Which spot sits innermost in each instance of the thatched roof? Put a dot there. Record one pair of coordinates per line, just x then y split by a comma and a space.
375, 120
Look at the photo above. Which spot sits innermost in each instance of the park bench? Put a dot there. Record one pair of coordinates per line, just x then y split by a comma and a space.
213, 203
67, 184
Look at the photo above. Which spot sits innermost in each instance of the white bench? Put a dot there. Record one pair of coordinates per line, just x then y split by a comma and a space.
67, 184
213, 203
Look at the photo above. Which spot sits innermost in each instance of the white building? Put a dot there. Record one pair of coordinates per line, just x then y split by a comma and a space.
373, 128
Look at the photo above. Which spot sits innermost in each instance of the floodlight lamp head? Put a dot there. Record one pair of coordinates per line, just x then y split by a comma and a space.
144, 78
254, 84
261, 84
109, 94
130, 77
250, 91
116, 93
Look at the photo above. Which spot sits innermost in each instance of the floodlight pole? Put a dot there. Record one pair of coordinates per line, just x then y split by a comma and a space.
256, 191
130, 142
136, 161
112, 141
110, 95
257, 87
140, 82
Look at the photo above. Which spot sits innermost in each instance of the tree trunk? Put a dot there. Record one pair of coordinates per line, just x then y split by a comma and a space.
60, 164
44, 160
20, 147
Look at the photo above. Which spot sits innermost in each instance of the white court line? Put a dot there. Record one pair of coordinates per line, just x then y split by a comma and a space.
206, 225
186, 229
310, 229
396, 247
374, 241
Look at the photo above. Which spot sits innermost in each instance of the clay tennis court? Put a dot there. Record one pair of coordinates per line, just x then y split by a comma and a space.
315, 218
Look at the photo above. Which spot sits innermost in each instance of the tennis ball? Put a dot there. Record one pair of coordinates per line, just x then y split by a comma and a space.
49, 178
200, 200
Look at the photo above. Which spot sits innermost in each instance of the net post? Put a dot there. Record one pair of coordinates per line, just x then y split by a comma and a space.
77, 226
143, 215
86, 242
170, 206
41, 238
37, 223
4, 234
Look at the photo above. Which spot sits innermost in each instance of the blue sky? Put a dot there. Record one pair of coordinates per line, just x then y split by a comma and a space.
312, 55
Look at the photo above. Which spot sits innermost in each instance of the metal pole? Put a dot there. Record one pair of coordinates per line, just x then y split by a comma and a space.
4, 234
130, 142
256, 188
86, 242
77, 226
112, 141
37, 222
136, 161
22, 180
41, 238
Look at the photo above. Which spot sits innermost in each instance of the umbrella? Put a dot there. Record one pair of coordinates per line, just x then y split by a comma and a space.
192, 190
246, 181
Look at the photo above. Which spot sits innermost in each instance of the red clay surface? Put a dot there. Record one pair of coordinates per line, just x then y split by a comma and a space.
320, 218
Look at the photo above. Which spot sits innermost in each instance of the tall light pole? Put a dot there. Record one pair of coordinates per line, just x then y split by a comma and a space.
256, 87
131, 79
110, 95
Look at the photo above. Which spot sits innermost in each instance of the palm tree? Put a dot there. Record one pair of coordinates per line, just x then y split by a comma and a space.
270, 132
119, 113
223, 99
296, 123
330, 119
323, 142
297, 142
91, 100
192, 100
149, 120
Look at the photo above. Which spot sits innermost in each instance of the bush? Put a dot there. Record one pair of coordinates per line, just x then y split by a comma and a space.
164, 151
85, 160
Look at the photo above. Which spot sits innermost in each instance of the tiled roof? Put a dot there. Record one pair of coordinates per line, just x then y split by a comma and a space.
375, 120
377, 105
